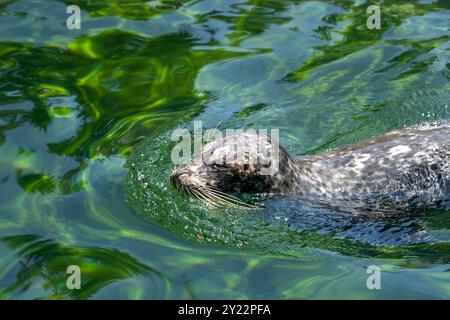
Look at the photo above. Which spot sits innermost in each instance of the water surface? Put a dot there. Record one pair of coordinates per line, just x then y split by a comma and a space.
85, 123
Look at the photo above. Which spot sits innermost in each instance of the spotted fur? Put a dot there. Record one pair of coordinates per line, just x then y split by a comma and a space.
401, 171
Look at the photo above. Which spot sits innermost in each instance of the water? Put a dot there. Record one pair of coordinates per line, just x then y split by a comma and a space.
85, 121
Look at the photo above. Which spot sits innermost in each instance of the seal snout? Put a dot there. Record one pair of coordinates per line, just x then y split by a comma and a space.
177, 177
189, 177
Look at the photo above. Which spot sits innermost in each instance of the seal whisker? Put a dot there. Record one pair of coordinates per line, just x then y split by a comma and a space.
214, 199
187, 190
230, 198
235, 199
195, 194
222, 201
205, 198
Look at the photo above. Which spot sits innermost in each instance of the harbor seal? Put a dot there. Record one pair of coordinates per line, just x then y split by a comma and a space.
404, 170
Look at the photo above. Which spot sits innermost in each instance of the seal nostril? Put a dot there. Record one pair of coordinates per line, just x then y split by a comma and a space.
175, 178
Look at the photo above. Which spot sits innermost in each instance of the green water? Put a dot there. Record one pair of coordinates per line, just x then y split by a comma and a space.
85, 123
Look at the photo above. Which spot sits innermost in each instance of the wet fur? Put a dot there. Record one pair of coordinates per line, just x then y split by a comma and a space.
404, 170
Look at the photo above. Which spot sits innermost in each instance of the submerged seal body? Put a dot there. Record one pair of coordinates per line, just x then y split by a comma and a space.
401, 171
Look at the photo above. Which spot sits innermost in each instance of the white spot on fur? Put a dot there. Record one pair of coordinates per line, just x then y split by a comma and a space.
399, 150
358, 160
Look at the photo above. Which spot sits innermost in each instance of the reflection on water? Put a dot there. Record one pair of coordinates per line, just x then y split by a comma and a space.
74, 105
45, 261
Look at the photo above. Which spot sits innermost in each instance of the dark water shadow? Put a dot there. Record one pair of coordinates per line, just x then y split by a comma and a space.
391, 230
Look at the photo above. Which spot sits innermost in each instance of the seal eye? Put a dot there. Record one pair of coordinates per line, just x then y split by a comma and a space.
220, 166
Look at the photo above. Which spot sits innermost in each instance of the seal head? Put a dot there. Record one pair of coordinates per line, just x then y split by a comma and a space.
247, 162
